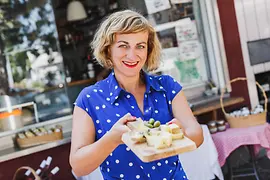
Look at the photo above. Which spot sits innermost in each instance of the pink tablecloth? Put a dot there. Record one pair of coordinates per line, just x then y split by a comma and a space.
229, 140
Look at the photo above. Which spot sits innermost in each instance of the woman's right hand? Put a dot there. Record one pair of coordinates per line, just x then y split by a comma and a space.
120, 127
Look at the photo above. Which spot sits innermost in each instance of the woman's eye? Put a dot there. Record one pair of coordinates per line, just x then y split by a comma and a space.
140, 46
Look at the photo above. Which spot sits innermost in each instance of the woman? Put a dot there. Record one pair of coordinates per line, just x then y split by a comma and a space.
126, 43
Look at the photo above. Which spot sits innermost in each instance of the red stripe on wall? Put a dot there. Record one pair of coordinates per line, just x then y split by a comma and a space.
233, 48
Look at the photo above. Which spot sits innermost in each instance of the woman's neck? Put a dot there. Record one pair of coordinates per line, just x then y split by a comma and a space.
129, 84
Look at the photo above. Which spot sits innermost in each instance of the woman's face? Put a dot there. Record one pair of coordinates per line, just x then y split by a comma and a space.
129, 53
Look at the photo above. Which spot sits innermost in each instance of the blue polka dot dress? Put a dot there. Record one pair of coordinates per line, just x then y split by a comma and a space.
106, 102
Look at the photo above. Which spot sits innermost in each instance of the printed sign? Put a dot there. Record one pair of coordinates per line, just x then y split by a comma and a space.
189, 50
154, 6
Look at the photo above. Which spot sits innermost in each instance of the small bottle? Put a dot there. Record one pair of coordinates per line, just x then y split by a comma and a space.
27, 174
48, 161
68, 78
52, 173
42, 168
38, 171
91, 71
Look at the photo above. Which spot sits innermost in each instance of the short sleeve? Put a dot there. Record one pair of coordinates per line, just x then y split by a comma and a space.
172, 87
83, 102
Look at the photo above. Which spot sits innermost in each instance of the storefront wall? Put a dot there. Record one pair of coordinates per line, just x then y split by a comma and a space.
253, 20
233, 49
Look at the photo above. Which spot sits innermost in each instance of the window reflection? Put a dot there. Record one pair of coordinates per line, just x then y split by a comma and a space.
32, 58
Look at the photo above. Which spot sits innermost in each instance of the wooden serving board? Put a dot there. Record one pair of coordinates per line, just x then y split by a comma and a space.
148, 154
37, 140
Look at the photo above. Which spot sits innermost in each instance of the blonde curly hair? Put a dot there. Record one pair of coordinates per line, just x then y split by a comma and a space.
124, 22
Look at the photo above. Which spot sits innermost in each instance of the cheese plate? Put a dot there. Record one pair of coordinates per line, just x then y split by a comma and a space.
151, 144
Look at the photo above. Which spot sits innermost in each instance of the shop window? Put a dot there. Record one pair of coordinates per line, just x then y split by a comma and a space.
32, 58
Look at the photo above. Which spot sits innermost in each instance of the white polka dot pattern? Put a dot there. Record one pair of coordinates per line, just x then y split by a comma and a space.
108, 105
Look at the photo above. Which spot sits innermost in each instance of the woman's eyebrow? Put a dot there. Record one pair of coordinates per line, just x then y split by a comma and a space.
142, 42
122, 42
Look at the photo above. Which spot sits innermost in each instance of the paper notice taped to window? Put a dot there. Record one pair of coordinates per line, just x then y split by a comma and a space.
154, 6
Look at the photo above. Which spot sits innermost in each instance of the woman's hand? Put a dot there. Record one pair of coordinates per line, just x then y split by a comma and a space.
120, 127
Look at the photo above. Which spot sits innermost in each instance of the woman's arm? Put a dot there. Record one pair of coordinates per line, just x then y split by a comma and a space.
86, 154
185, 119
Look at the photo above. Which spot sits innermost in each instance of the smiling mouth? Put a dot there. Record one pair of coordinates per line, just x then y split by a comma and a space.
131, 64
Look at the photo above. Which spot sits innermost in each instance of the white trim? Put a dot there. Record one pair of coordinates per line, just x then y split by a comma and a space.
267, 66
226, 75
258, 68
208, 41
240, 15
216, 44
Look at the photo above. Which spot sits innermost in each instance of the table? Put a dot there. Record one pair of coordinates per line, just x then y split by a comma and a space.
255, 138
213, 106
199, 164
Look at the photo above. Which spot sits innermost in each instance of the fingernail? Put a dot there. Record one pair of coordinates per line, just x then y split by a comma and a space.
170, 122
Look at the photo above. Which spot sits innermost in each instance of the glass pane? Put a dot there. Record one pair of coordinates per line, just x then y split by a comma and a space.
34, 64
182, 42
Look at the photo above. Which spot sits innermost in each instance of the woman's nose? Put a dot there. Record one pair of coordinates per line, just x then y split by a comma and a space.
131, 54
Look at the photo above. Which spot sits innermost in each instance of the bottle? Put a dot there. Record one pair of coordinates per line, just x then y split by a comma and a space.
27, 174
52, 173
91, 71
68, 78
38, 171
42, 168
48, 162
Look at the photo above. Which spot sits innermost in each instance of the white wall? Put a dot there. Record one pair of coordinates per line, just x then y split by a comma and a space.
253, 18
